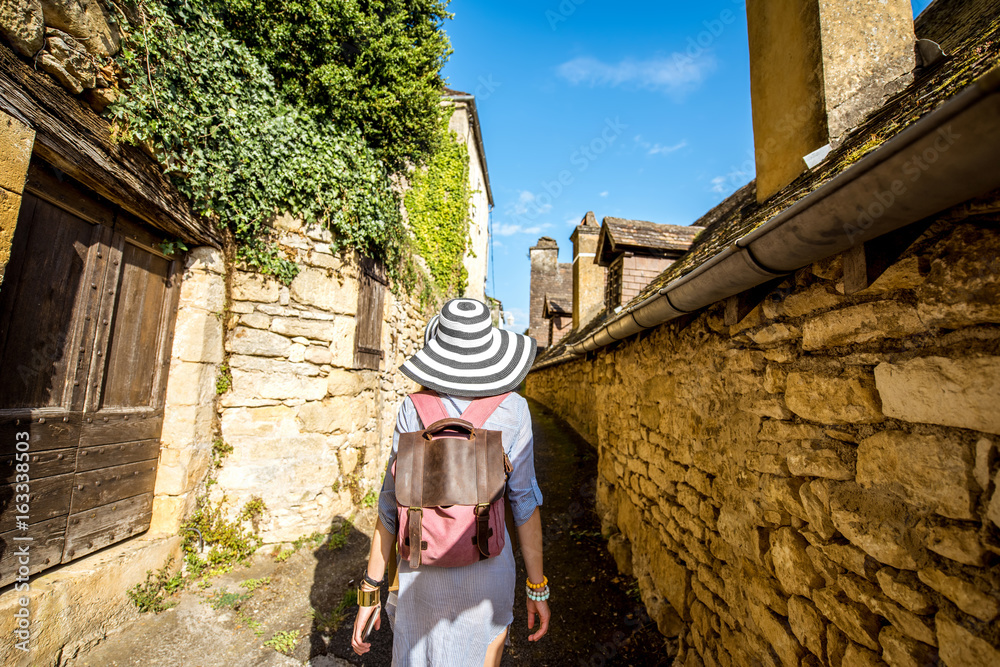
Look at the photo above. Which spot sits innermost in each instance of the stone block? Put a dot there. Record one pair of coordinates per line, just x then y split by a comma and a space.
898, 650
966, 594
203, 289
817, 510
205, 258
254, 287
878, 526
904, 588
866, 593
856, 656
792, 565
340, 414
190, 384
807, 624
16, 138
277, 386
257, 343
312, 329
89, 22
326, 290
775, 334
810, 300
821, 460
833, 400
929, 471
854, 619
836, 646
169, 512
185, 425
22, 23
256, 321
197, 336
864, 323
963, 288
960, 647
993, 509
939, 390
342, 347
958, 542
985, 452
907, 273
318, 355
776, 632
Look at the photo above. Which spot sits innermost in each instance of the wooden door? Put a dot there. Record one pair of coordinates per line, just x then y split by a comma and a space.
86, 315
368, 329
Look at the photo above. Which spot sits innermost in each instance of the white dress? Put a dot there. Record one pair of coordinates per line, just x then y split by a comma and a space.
448, 616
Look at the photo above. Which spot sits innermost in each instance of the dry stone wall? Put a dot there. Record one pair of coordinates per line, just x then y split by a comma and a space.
817, 484
309, 434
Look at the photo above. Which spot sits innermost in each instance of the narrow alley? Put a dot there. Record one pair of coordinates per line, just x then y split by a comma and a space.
597, 619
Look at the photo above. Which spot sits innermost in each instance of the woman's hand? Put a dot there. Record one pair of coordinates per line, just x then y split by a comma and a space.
357, 642
542, 609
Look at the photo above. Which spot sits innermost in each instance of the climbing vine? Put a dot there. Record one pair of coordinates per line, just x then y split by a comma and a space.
438, 208
209, 111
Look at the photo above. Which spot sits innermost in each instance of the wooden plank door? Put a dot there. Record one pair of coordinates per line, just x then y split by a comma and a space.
86, 313
368, 328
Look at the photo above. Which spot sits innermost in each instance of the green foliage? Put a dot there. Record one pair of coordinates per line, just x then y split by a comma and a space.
373, 65
283, 641
231, 600
225, 380
370, 499
220, 450
171, 248
209, 111
253, 584
152, 594
331, 622
231, 541
438, 208
338, 538
281, 555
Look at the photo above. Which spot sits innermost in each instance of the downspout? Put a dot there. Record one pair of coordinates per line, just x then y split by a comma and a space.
886, 190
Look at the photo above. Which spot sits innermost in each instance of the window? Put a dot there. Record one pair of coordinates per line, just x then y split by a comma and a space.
368, 332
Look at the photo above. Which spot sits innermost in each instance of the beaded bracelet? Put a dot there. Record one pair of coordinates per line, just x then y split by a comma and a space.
545, 582
538, 595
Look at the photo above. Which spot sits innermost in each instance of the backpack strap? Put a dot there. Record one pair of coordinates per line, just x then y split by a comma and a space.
481, 408
429, 407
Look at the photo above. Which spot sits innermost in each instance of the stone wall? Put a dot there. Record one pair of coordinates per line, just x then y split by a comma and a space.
817, 484
309, 434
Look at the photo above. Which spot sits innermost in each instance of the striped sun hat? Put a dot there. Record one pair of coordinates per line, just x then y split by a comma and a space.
465, 355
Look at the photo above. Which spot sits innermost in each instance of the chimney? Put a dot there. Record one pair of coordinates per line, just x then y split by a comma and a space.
544, 268
588, 275
817, 69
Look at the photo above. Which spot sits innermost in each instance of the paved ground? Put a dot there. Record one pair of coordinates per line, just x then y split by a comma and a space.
595, 619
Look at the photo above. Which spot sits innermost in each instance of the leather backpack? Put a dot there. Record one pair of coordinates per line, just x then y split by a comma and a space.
451, 480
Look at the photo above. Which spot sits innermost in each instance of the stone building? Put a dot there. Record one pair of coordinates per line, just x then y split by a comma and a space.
558, 312
465, 124
797, 444
635, 252
125, 365
548, 276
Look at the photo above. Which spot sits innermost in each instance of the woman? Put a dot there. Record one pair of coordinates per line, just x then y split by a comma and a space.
458, 616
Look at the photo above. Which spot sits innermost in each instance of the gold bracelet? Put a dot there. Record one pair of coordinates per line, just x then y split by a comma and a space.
545, 582
369, 598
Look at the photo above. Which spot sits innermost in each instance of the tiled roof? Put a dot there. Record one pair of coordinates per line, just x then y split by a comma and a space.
619, 235
969, 32
559, 292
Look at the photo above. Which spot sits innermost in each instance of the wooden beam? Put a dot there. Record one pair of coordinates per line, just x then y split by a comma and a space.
71, 137
740, 305
865, 262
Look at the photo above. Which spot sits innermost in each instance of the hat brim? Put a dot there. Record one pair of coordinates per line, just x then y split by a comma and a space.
496, 369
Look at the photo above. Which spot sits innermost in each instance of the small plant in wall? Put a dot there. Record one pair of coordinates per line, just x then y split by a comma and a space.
283, 641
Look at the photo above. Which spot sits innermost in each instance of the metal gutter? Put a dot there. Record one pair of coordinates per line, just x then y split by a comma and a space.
471, 99
945, 158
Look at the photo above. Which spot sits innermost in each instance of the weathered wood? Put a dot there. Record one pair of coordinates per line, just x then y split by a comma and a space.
104, 429
46, 547
107, 485
865, 262
73, 138
48, 497
368, 327
44, 433
740, 305
40, 304
98, 527
40, 464
48, 183
106, 456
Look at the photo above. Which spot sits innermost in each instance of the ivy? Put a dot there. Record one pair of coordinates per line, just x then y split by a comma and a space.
438, 208
209, 111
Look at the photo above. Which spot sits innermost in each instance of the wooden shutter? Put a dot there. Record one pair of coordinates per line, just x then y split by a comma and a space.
86, 316
368, 331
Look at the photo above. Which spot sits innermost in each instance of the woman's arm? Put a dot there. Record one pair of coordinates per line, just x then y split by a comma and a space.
377, 558
530, 535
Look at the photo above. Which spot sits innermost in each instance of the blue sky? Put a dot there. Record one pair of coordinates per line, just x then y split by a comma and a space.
629, 109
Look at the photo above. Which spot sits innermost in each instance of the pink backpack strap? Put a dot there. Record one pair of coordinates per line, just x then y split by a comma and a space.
429, 407
481, 408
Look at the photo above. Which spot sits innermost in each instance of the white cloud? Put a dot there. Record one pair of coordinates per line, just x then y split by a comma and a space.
719, 184
603, 194
667, 74
505, 229
526, 204
657, 149
520, 319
